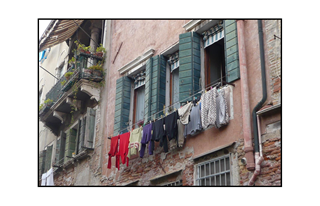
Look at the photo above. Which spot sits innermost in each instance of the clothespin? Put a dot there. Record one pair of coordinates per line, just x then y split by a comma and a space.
161, 116
166, 113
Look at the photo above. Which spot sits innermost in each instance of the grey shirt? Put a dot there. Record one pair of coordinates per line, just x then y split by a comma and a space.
195, 121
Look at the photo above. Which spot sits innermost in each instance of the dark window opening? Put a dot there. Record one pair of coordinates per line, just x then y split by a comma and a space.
214, 63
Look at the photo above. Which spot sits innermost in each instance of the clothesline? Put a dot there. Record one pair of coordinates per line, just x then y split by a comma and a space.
213, 84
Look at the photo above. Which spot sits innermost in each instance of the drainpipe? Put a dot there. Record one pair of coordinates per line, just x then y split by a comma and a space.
245, 98
255, 118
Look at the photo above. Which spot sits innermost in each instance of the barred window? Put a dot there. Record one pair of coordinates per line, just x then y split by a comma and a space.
176, 183
215, 172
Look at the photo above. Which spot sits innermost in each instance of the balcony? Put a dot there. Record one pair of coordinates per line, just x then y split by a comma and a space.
77, 89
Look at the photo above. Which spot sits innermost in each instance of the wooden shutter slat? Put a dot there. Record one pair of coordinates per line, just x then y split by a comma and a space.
122, 107
189, 65
231, 51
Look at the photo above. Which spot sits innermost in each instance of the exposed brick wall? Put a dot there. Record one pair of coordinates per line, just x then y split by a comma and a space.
273, 60
270, 174
144, 169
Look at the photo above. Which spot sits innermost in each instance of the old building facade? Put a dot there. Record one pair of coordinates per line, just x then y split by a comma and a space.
151, 69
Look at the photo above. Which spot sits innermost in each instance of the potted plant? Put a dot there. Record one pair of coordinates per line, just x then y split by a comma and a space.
96, 69
82, 48
100, 51
72, 61
68, 75
45, 105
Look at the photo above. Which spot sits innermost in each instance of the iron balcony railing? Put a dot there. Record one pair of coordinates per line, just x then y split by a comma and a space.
79, 72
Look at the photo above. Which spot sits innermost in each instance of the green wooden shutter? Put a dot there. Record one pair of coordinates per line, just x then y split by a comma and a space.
89, 131
62, 147
122, 106
70, 144
81, 134
158, 85
189, 66
231, 50
48, 158
42, 157
58, 146
147, 91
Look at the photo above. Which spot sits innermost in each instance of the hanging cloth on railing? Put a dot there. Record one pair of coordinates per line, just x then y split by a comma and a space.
174, 61
213, 34
139, 79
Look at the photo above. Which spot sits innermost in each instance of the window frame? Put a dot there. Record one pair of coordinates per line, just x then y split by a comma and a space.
197, 178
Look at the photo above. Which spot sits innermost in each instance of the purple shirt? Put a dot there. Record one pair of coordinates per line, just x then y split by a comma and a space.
146, 137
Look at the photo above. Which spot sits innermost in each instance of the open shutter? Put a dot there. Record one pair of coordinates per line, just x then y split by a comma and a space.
42, 157
231, 50
122, 106
81, 134
189, 65
147, 91
48, 158
59, 161
70, 144
58, 146
158, 85
89, 131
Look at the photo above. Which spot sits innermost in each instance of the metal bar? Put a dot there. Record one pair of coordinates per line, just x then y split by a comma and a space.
48, 72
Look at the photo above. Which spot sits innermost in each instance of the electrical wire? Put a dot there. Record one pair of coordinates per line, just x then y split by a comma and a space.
212, 84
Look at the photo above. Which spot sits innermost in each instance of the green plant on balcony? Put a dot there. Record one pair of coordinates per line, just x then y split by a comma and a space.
47, 102
63, 82
97, 67
82, 48
100, 51
72, 61
68, 75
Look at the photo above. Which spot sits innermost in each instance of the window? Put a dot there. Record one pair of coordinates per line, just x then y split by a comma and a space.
214, 63
215, 172
138, 105
174, 80
214, 60
176, 183
59, 71
79, 136
139, 92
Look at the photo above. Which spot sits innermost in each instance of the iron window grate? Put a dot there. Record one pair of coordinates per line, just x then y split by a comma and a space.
215, 172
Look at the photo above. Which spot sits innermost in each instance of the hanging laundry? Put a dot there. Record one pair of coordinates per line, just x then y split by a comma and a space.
50, 177
184, 113
181, 129
208, 108
135, 140
222, 109
172, 129
158, 134
43, 179
195, 121
113, 151
146, 138
123, 148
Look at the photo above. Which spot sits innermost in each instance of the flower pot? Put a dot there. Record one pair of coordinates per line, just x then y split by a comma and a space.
99, 54
97, 73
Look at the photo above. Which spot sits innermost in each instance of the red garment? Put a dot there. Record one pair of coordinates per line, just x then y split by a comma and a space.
113, 151
123, 148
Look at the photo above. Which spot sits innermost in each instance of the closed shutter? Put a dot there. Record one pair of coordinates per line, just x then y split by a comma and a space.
70, 144
42, 158
147, 91
122, 106
231, 50
48, 158
189, 66
89, 131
